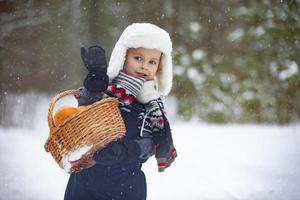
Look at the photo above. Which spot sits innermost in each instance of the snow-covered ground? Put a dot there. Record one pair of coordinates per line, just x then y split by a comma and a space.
215, 162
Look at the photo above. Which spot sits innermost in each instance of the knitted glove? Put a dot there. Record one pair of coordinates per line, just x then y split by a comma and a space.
118, 153
95, 61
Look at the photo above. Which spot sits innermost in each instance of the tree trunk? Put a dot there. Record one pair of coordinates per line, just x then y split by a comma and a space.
2, 92
93, 22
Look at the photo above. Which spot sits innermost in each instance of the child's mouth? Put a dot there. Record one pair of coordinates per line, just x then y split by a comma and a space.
142, 75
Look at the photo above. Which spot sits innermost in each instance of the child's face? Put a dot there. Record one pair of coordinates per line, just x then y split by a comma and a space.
141, 62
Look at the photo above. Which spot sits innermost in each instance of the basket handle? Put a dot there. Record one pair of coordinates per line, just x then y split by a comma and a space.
54, 100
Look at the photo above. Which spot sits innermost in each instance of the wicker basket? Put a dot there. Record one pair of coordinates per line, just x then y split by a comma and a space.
93, 127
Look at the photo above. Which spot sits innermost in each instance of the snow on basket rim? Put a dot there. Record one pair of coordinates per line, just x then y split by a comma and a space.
75, 155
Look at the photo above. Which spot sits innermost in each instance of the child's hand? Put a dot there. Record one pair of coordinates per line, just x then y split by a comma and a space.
95, 61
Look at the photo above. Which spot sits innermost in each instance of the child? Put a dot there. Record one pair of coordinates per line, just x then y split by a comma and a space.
139, 74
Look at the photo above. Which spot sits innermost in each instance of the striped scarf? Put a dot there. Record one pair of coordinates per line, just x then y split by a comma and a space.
125, 87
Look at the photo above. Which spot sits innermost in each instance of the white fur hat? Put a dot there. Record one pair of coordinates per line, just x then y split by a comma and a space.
148, 36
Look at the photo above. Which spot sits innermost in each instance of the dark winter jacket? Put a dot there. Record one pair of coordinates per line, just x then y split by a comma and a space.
137, 145
152, 124
117, 173
118, 165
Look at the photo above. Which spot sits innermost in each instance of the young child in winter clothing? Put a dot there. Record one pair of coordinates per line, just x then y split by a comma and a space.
139, 74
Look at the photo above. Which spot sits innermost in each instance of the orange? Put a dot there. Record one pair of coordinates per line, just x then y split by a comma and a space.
63, 113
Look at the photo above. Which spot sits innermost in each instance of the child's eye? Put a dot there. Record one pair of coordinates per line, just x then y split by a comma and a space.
138, 58
152, 62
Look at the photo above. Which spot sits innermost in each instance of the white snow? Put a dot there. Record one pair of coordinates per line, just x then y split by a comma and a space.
73, 156
236, 34
197, 77
292, 69
179, 70
259, 31
245, 162
198, 54
195, 26
215, 162
185, 60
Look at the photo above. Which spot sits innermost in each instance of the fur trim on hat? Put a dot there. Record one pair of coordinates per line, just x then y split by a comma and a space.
148, 36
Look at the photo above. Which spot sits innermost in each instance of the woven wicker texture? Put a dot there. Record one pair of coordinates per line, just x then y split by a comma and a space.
98, 125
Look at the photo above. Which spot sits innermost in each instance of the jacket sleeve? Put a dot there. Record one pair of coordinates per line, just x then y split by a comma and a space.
118, 153
146, 147
87, 97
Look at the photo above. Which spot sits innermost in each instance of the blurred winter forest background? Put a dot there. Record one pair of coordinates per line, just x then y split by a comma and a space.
234, 61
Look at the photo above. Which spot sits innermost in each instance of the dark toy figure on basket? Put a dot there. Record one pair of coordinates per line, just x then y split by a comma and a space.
139, 75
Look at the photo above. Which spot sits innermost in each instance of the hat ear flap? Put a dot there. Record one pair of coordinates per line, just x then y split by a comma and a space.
160, 73
116, 62
164, 75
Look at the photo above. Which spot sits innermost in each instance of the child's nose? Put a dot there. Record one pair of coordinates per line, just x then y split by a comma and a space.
144, 66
